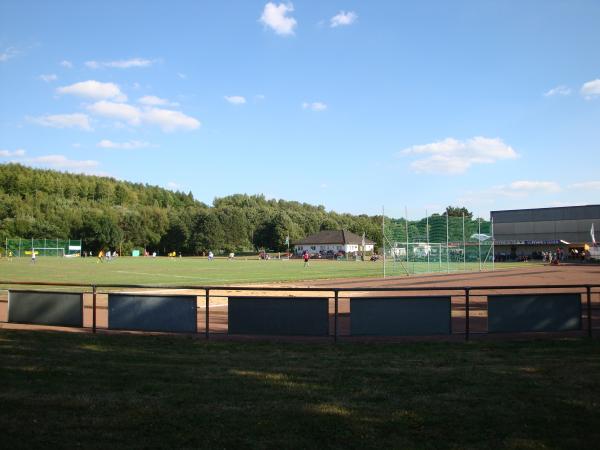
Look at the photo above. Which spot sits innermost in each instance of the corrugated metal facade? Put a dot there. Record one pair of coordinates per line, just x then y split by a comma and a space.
570, 224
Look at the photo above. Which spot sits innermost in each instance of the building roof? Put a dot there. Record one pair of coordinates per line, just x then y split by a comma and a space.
339, 237
586, 212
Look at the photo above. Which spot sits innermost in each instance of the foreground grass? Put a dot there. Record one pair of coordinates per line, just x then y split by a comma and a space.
81, 390
197, 271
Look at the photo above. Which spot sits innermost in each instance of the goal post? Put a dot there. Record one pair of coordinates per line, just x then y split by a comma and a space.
43, 247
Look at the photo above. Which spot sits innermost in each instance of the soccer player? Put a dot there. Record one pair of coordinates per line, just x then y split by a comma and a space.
306, 258
32, 256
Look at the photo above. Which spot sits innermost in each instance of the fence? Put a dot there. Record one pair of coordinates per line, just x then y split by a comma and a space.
332, 313
437, 243
43, 247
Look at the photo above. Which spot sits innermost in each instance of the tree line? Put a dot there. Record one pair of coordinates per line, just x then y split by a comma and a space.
109, 213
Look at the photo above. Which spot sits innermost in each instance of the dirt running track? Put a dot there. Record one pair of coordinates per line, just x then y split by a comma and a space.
542, 275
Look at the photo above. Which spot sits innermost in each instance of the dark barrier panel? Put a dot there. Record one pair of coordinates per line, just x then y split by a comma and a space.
283, 316
152, 313
535, 312
400, 316
63, 309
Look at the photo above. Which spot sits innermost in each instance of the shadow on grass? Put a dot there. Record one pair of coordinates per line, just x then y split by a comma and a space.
160, 391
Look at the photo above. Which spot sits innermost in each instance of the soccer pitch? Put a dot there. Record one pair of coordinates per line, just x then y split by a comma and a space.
194, 271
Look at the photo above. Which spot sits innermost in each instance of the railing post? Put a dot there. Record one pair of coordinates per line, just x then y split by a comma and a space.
206, 314
335, 316
467, 307
93, 309
589, 310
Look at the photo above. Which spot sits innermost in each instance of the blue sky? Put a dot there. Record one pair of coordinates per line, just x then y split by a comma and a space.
352, 105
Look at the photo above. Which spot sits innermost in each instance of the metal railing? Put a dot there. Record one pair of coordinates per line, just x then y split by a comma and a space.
466, 292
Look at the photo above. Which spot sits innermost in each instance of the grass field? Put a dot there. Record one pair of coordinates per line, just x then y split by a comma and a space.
194, 271
101, 391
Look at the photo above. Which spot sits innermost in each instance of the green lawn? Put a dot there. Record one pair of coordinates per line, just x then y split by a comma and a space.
194, 271
123, 391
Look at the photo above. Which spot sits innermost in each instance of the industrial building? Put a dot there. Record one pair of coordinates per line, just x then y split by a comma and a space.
527, 233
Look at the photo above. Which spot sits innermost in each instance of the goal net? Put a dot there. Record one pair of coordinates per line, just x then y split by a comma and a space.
43, 247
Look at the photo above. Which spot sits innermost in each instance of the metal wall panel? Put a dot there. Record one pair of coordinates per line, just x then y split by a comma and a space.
535, 312
400, 316
589, 212
547, 228
524, 228
282, 316
46, 308
152, 313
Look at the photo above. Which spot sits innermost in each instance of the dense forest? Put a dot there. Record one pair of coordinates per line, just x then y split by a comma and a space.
105, 212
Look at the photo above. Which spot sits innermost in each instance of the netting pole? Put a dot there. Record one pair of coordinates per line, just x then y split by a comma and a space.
19, 247
493, 246
427, 235
464, 245
383, 236
406, 225
447, 244
479, 241
6, 246
57, 247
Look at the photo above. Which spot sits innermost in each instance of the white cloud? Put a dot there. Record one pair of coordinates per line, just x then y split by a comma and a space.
76, 120
515, 192
119, 111
10, 154
314, 106
52, 161
534, 186
174, 186
95, 90
591, 89
235, 99
259, 97
66, 64
343, 18
8, 53
48, 77
120, 64
183, 76
169, 120
587, 185
452, 156
152, 100
275, 17
61, 162
129, 145
558, 90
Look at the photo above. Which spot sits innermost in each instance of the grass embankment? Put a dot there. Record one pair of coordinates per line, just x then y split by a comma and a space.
195, 271
101, 391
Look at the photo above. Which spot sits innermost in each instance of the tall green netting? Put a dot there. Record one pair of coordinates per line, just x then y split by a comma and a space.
437, 243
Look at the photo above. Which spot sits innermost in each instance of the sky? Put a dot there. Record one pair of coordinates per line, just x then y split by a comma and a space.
354, 105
